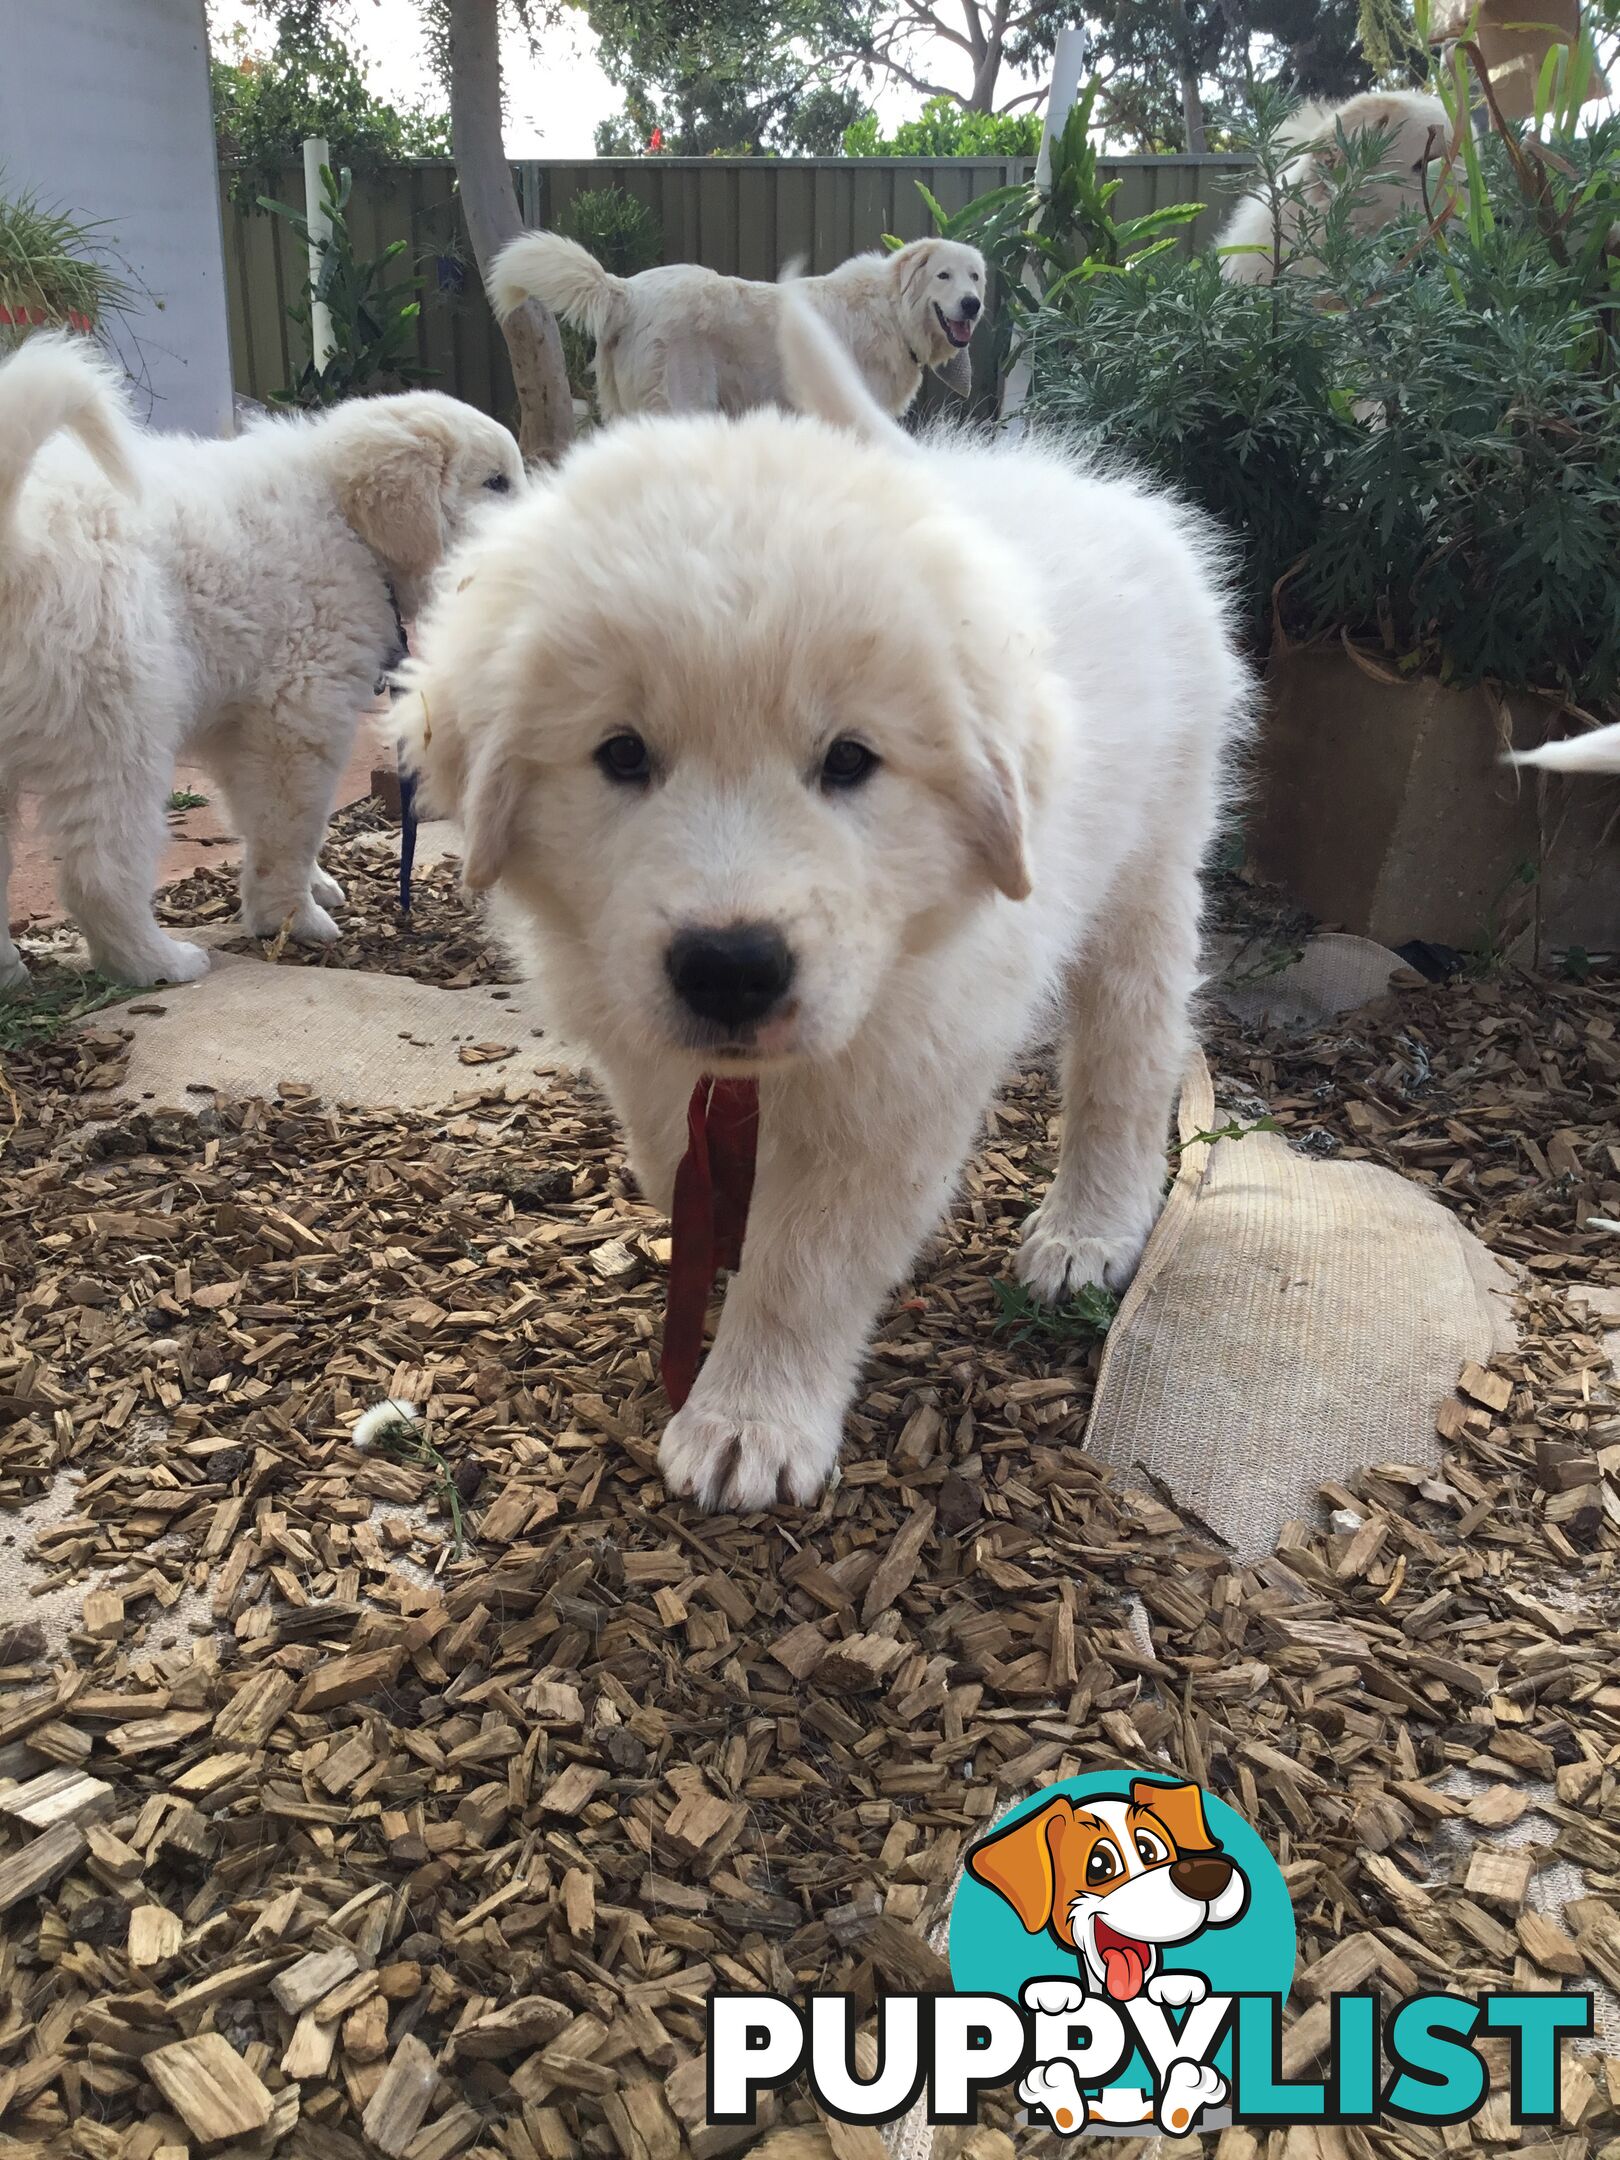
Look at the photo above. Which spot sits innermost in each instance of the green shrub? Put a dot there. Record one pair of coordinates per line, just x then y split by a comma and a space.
53, 267
373, 319
1414, 436
944, 129
310, 83
620, 231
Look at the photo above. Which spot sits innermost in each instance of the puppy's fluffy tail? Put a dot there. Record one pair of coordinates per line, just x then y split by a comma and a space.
49, 384
566, 277
820, 375
1597, 752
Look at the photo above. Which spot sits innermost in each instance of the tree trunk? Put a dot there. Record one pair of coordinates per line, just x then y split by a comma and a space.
545, 403
1192, 101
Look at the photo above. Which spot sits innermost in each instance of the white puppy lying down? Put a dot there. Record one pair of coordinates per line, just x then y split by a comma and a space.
686, 339
813, 754
226, 598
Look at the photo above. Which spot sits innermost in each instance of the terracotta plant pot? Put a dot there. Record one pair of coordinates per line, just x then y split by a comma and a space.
1384, 807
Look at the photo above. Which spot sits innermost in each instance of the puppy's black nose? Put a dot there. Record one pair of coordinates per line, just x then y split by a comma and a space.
970, 306
1202, 1875
733, 976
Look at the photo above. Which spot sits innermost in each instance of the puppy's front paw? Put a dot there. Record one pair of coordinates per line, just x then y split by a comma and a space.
1052, 1998
14, 975
1177, 1990
1054, 2088
1189, 2088
741, 1464
324, 890
306, 924
1062, 1252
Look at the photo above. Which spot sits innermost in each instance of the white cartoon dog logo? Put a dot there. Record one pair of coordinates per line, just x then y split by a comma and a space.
1115, 1880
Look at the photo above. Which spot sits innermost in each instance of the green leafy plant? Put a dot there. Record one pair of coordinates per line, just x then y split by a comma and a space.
50, 1004
945, 129
186, 799
1084, 1318
373, 318
309, 83
54, 269
617, 228
1413, 434
407, 1442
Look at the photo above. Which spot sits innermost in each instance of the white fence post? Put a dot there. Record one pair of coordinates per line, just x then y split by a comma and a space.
317, 154
1068, 65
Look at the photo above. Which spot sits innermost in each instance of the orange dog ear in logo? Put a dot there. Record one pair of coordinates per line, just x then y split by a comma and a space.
1181, 1810
1019, 1863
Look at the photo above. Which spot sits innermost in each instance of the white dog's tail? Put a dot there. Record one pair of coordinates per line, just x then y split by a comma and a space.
821, 378
49, 384
1598, 751
566, 277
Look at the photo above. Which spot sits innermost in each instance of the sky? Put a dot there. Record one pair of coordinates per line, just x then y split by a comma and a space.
554, 101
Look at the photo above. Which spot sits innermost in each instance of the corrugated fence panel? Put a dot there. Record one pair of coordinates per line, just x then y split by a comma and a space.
745, 217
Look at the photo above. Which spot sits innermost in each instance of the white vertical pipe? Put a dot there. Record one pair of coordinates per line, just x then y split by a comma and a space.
1068, 65
317, 154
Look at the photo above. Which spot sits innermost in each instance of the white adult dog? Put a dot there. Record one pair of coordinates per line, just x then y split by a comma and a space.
812, 754
1416, 127
685, 339
226, 598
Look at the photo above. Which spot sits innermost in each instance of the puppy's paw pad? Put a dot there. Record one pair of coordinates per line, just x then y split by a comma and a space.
1054, 2088
1052, 1998
742, 1464
1177, 1990
325, 890
1058, 1258
1189, 2087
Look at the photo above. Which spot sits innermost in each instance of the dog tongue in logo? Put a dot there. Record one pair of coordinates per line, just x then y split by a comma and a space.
1125, 1962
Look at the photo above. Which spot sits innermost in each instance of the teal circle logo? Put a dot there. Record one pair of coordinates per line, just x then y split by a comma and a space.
1123, 1908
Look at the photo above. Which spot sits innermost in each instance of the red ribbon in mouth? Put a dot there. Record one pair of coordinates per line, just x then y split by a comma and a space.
713, 1187
1125, 1961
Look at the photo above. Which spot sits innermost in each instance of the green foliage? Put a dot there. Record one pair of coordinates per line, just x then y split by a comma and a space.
55, 265
49, 1005
186, 799
616, 228
945, 129
713, 78
310, 83
1041, 242
1084, 1318
373, 320
1413, 434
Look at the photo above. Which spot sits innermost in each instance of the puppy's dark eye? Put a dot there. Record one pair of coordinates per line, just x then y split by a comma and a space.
1103, 1865
944, 273
498, 484
847, 763
1149, 1849
624, 758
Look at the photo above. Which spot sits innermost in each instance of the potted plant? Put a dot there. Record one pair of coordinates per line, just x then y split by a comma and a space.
53, 274
1413, 439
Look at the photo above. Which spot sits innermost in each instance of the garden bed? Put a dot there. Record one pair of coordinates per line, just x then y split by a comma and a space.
533, 1797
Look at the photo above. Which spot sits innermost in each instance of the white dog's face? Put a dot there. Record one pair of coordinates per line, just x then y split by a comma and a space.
413, 472
1413, 131
941, 285
732, 772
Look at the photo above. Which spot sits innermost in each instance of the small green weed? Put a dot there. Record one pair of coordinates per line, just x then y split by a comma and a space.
52, 1003
1084, 1318
1231, 1130
405, 1440
185, 798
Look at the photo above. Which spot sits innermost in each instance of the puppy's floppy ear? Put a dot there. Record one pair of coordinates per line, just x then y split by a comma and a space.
1181, 1810
1018, 1863
994, 802
490, 804
389, 480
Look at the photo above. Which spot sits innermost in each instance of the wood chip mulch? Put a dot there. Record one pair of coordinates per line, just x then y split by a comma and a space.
324, 1837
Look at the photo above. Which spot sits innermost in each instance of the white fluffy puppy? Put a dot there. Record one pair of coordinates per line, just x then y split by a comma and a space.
686, 339
226, 598
1417, 128
812, 754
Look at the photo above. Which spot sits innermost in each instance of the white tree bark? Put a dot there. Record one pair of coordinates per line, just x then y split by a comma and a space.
545, 404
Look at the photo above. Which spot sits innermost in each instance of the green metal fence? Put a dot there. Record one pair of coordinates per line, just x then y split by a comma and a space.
745, 217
